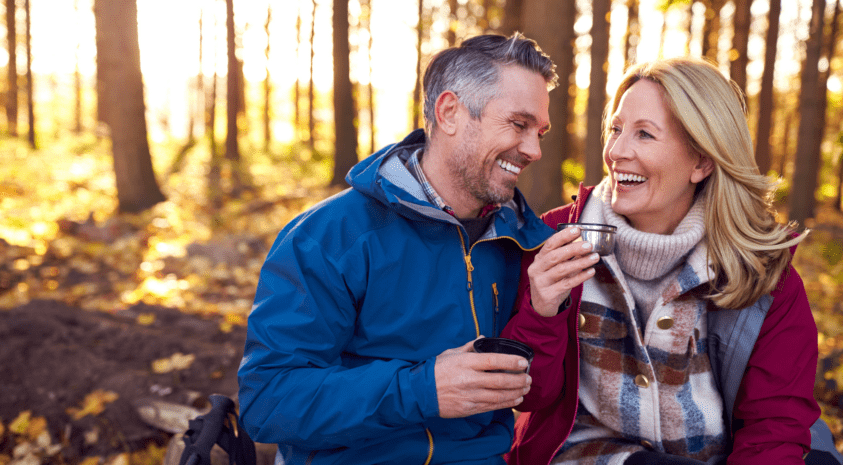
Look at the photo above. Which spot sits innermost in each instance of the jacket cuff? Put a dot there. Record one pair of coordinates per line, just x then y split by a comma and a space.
422, 379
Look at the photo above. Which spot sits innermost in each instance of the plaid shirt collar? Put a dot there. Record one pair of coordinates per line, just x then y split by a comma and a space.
414, 165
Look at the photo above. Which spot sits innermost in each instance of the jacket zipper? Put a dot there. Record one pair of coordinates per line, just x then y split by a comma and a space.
430, 448
470, 286
497, 308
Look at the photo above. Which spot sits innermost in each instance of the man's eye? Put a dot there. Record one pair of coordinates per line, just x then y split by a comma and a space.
519, 125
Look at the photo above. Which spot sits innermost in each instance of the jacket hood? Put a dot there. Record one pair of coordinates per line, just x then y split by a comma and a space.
384, 176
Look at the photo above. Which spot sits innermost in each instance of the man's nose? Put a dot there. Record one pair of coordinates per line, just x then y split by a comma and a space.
531, 147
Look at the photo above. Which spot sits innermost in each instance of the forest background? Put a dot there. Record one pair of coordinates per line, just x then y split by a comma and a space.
141, 182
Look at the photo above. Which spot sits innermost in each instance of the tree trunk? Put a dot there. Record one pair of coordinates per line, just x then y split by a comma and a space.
297, 84
267, 87
765, 97
806, 166
30, 99
215, 163
453, 21
597, 92
370, 88
512, 16
77, 83
711, 28
633, 33
12, 69
311, 124
122, 97
417, 90
232, 149
740, 43
551, 24
345, 146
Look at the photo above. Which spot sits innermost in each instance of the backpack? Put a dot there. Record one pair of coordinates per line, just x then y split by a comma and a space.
217, 427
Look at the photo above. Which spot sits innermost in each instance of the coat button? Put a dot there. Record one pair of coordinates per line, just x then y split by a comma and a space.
665, 322
582, 320
642, 381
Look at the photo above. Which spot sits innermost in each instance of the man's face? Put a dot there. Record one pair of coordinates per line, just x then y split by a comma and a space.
493, 150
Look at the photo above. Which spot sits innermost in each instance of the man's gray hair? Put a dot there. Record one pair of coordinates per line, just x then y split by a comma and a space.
472, 70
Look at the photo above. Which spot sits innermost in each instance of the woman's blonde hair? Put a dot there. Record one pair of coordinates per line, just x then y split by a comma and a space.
747, 248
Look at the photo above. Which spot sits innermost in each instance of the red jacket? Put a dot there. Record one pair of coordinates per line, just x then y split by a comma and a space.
774, 404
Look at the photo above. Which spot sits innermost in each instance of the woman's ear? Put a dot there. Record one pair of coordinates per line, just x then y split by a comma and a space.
446, 109
704, 167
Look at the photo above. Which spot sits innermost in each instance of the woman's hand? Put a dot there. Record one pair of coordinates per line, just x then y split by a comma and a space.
561, 265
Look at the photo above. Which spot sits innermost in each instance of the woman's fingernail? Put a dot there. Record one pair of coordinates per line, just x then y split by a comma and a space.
586, 245
575, 231
594, 257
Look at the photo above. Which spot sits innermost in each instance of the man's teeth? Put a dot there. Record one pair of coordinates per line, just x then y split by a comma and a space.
508, 166
628, 177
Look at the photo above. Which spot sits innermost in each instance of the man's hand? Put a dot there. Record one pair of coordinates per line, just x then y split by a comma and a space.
465, 387
562, 264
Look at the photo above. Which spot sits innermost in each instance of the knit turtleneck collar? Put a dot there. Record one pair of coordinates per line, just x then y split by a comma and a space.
648, 256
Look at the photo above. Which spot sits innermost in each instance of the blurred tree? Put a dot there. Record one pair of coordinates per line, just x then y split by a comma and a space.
311, 123
366, 19
267, 86
297, 84
215, 163
551, 24
711, 28
12, 69
597, 92
233, 103
417, 115
121, 93
765, 97
807, 163
453, 22
512, 16
738, 57
345, 144
77, 81
30, 99
632, 35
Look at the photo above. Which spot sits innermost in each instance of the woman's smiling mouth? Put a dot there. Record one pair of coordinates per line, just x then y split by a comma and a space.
629, 179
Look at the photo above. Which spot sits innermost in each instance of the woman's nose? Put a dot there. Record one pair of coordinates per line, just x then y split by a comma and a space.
617, 148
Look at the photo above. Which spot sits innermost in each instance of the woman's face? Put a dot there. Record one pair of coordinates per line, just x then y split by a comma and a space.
652, 168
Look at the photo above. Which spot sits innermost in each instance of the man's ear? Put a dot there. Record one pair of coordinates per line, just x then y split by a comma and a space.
704, 167
446, 112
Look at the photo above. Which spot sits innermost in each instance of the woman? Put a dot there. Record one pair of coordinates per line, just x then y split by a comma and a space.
638, 380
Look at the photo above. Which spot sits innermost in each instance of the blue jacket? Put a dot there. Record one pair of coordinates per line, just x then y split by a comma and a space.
357, 297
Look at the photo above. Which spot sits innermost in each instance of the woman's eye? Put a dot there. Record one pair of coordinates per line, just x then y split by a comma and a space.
615, 130
645, 134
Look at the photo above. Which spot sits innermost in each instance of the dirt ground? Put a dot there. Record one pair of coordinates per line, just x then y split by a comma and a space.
52, 356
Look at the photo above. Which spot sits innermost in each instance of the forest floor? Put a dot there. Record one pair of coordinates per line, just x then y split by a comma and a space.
115, 329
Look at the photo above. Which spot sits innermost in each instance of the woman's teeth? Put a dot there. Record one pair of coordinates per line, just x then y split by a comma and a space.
508, 166
628, 177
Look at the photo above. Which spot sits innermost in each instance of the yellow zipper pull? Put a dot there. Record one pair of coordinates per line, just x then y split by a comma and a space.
468, 264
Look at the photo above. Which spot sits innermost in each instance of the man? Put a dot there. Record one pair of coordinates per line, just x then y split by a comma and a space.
359, 342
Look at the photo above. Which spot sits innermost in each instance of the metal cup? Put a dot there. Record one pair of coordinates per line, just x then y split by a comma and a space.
600, 236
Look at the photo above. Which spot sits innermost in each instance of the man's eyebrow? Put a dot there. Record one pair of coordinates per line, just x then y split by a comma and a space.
531, 118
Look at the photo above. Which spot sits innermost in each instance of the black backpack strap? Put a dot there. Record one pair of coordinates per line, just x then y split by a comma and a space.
211, 428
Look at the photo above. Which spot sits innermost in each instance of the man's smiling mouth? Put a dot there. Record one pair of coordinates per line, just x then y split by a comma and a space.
507, 166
